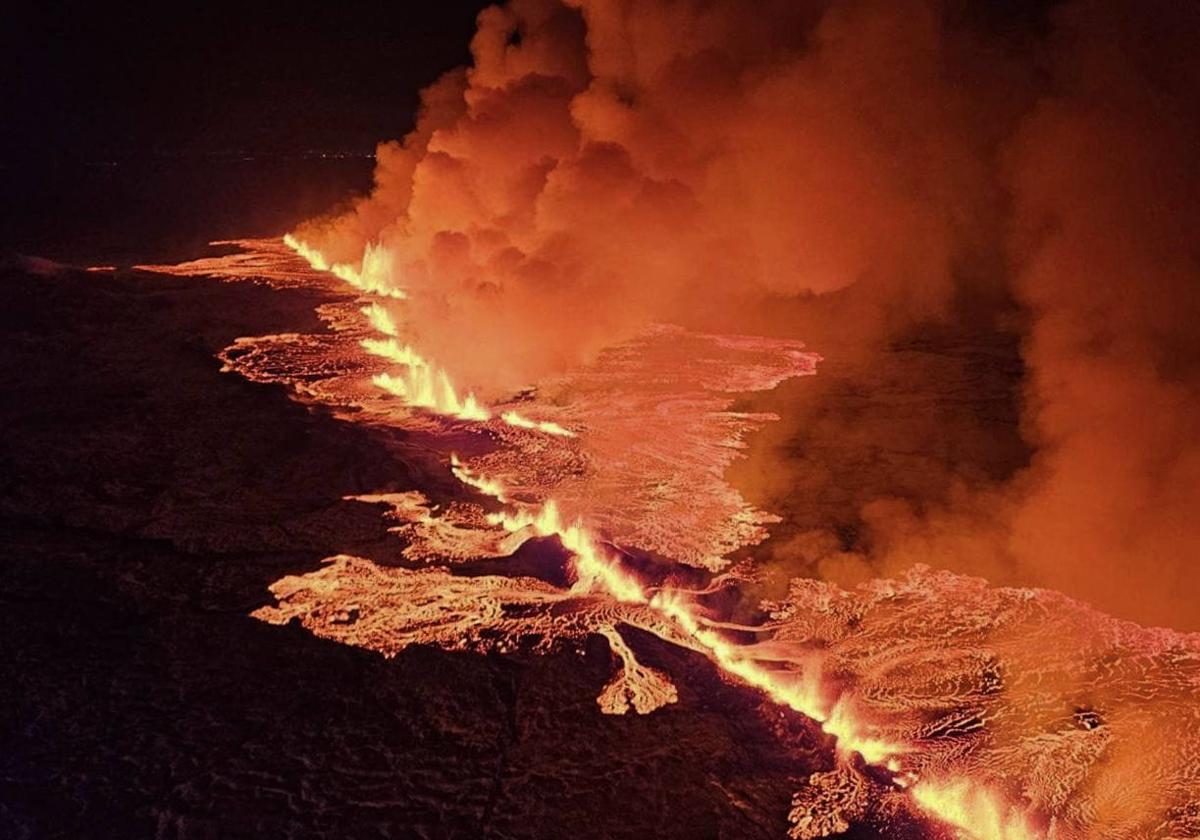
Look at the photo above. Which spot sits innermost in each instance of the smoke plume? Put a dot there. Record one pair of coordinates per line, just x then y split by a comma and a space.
851, 173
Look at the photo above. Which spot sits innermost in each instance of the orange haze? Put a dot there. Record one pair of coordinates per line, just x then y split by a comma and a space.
871, 167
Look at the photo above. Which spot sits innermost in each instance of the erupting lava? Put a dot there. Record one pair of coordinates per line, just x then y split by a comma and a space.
420, 383
957, 802
373, 274
1005, 714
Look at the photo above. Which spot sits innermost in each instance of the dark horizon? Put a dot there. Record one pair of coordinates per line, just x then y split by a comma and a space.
94, 84
143, 133
87, 83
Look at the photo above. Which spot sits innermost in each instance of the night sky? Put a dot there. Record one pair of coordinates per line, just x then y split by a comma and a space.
134, 134
92, 81
89, 81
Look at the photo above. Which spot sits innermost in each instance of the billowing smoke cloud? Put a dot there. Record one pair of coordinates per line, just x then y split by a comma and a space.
1107, 243
845, 172
1102, 242
604, 164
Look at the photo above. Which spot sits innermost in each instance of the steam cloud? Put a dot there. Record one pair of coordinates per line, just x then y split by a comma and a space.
856, 169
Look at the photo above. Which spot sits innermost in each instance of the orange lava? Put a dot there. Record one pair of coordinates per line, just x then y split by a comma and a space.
417, 381
1005, 714
424, 385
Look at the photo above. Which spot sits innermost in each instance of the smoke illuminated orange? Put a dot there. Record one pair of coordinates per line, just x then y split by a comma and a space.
426, 386
419, 382
803, 664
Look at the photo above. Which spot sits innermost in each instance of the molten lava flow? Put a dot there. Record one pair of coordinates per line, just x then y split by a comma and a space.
592, 566
392, 350
970, 809
1006, 714
373, 274
427, 387
486, 486
380, 320
673, 617
634, 685
514, 419
270, 261
310, 255
420, 383
974, 810
595, 568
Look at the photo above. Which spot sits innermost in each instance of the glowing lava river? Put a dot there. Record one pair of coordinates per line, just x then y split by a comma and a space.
596, 506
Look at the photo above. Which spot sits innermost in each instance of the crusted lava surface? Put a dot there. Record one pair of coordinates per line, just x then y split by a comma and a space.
148, 502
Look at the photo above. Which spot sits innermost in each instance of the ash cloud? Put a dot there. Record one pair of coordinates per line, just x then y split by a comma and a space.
1106, 243
849, 173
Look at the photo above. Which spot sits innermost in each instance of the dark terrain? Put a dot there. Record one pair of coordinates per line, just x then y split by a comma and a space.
147, 502
85, 211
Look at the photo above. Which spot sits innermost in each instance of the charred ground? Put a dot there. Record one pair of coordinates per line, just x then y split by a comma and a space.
148, 502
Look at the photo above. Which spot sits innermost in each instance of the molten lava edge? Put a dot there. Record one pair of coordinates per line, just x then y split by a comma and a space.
999, 713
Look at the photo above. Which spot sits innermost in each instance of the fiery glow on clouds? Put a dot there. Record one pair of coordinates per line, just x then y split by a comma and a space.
676, 617
951, 689
848, 172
